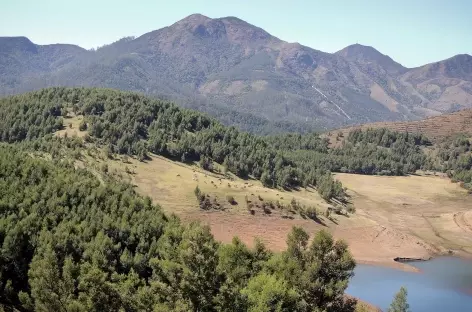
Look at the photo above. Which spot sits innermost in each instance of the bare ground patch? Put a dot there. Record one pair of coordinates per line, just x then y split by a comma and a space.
377, 233
432, 209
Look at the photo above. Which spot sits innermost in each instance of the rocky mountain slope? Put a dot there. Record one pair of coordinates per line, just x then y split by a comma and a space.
247, 77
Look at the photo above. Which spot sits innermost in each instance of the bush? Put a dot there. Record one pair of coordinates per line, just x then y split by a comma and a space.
294, 203
197, 191
83, 126
327, 213
350, 208
206, 163
104, 168
199, 194
311, 212
231, 199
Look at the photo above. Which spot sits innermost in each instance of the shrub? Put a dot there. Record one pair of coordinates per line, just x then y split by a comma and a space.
327, 213
104, 168
197, 192
83, 126
350, 208
231, 199
311, 212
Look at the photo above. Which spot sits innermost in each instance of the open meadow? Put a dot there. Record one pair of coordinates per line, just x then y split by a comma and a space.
414, 216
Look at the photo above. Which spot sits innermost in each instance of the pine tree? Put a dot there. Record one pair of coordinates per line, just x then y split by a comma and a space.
399, 303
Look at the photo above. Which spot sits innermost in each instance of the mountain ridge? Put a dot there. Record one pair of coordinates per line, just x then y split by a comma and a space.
221, 64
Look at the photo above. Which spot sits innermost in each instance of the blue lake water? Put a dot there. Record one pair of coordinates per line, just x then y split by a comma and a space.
445, 284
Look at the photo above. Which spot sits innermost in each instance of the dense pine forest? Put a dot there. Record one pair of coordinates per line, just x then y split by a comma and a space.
73, 243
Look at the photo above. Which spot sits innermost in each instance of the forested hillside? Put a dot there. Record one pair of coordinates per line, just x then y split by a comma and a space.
449, 152
73, 243
77, 240
129, 123
454, 156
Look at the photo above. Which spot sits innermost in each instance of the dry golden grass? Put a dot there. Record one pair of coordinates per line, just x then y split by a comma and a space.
410, 190
375, 234
172, 185
413, 216
431, 208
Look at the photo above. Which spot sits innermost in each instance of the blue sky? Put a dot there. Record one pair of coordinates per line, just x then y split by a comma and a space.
413, 32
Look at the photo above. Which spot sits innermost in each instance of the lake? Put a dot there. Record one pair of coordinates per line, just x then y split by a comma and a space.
445, 284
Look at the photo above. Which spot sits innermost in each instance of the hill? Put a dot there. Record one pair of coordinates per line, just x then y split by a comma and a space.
75, 239
245, 76
76, 235
82, 167
436, 128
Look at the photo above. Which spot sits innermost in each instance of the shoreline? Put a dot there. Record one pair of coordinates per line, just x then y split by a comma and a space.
390, 264
406, 266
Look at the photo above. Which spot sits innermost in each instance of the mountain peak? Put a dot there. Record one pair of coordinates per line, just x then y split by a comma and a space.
195, 19
366, 54
10, 44
358, 51
458, 66
230, 27
461, 58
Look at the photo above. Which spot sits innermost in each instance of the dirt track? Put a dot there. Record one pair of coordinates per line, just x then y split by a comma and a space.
463, 220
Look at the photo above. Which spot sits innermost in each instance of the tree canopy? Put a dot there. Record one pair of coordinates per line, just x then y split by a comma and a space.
73, 242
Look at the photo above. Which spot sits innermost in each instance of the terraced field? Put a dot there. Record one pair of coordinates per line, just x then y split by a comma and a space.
435, 128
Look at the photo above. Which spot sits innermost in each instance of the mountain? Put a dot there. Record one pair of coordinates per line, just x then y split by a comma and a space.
245, 76
444, 86
368, 55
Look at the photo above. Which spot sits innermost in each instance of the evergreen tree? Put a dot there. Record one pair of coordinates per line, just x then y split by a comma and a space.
399, 303
268, 293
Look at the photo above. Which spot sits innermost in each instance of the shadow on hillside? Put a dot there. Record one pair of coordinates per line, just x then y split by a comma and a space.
316, 218
333, 219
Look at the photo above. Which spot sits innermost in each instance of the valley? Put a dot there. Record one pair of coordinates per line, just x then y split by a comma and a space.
422, 206
157, 179
420, 215
253, 158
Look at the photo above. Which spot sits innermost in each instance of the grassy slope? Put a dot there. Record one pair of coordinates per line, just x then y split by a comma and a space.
396, 216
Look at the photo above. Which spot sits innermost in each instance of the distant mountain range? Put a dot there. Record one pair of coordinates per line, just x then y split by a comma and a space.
246, 77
